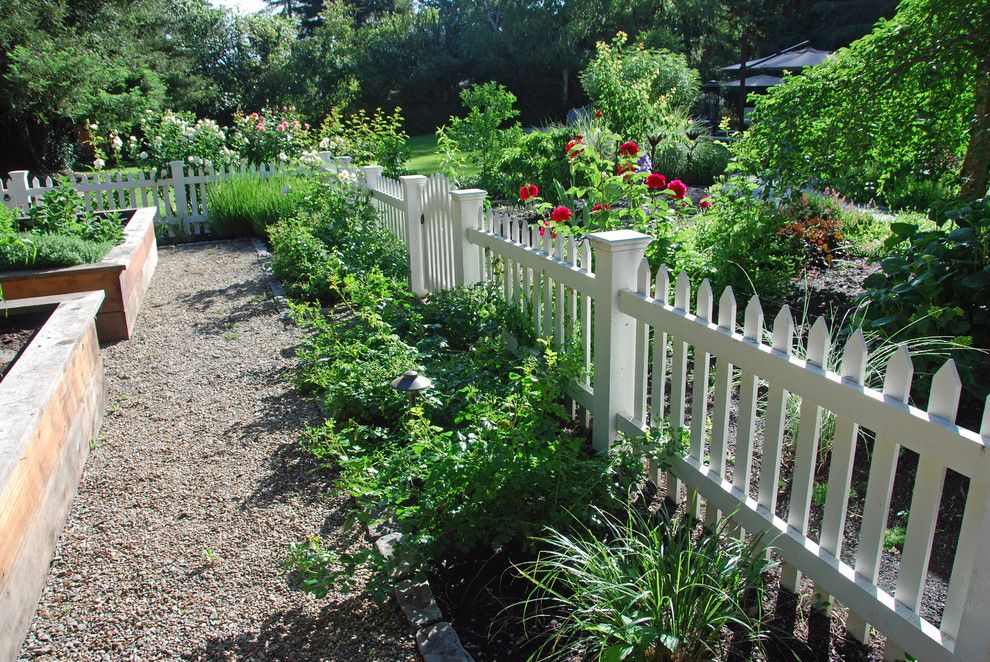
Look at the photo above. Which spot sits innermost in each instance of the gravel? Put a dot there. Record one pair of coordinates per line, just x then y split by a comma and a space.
196, 487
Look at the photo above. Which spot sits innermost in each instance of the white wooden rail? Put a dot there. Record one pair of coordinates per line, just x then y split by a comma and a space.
599, 293
180, 196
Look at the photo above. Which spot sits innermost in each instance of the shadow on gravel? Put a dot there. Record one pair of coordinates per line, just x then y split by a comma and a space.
342, 630
237, 303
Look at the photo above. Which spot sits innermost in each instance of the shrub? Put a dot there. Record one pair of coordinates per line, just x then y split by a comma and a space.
934, 283
368, 139
537, 156
647, 588
740, 235
642, 93
302, 263
247, 206
482, 135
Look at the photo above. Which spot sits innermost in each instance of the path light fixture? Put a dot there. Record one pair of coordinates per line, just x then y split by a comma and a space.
411, 382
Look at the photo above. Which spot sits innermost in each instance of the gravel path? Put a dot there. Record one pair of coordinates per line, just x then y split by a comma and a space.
195, 489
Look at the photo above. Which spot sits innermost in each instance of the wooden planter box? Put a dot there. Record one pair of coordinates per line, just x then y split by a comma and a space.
123, 275
52, 402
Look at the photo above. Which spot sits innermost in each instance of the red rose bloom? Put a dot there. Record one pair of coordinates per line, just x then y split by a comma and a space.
561, 214
626, 170
543, 230
705, 202
595, 208
656, 182
598, 113
629, 148
679, 189
528, 191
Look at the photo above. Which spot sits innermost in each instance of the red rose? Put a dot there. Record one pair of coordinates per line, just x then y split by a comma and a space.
656, 182
626, 170
598, 113
561, 214
705, 202
528, 191
679, 189
595, 208
629, 148
543, 230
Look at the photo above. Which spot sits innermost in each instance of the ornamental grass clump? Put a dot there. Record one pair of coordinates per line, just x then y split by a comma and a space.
650, 588
247, 206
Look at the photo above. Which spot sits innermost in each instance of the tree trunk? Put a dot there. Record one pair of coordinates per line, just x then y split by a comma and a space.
977, 162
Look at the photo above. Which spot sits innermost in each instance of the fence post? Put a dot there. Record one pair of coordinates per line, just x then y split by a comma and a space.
179, 186
618, 255
465, 214
17, 187
412, 199
372, 176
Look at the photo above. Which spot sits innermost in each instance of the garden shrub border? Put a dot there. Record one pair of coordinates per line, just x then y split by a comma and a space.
124, 276
54, 398
436, 639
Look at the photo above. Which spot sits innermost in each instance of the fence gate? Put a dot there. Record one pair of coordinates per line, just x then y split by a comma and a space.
437, 229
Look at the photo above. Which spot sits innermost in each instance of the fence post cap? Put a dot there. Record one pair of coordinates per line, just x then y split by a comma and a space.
413, 178
376, 168
470, 194
620, 240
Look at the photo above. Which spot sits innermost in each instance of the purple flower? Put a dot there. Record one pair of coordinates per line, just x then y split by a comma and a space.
644, 163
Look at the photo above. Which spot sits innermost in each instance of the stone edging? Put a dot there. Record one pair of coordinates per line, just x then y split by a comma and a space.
435, 638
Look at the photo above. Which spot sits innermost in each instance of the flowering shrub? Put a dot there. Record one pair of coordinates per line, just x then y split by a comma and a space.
633, 197
272, 136
171, 136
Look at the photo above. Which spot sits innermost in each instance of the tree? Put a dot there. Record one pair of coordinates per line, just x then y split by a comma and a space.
902, 114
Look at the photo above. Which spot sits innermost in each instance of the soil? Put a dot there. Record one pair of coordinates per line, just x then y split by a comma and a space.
16, 331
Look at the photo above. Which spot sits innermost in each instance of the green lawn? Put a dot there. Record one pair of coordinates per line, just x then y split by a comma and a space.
424, 159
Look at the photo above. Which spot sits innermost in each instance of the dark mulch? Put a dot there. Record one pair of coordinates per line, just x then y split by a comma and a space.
16, 331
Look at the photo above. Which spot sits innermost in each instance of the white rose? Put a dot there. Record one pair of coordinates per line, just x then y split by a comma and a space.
143, 155
99, 163
191, 159
117, 142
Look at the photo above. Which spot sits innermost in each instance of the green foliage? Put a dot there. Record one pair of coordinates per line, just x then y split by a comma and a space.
537, 156
483, 135
301, 262
504, 473
647, 588
697, 161
642, 93
745, 249
58, 232
462, 315
377, 139
247, 206
933, 283
902, 142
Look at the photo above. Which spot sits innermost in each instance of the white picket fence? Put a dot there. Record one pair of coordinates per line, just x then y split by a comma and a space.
638, 345
180, 196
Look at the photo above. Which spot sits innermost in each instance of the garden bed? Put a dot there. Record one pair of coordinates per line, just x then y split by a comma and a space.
123, 276
53, 396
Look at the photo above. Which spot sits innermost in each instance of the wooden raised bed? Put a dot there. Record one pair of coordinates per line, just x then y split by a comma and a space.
123, 275
52, 402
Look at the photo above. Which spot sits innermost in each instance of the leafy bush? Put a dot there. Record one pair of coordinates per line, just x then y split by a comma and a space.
643, 94
369, 139
247, 206
462, 315
274, 135
648, 588
302, 263
698, 161
351, 366
934, 283
537, 156
506, 472
170, 136
483, 135
902, 143
740, 236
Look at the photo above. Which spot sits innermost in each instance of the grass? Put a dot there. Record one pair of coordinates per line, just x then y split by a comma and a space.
423, 158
